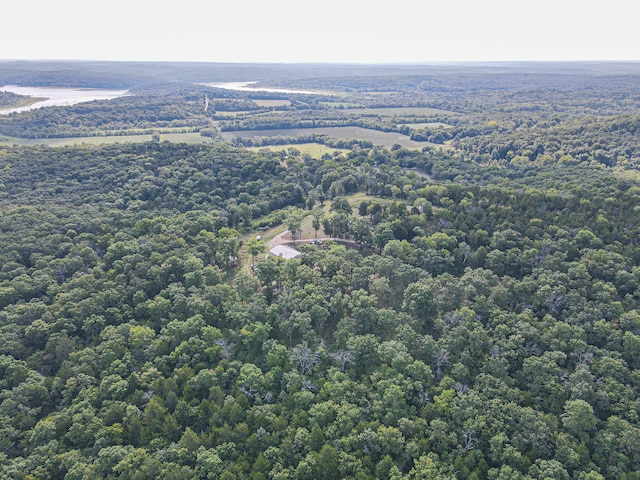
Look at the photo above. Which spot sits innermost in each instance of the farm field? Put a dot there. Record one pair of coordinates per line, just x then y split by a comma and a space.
376, 137
230, 115
272, 103
426, 125
186, 137
315, 150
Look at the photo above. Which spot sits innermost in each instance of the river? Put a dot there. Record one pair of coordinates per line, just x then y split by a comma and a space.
246, 87
58, 96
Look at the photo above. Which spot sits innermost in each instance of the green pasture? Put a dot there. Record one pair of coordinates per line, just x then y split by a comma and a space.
376, 137
420, 125
314, 150
222, 115
272, 103
181, 137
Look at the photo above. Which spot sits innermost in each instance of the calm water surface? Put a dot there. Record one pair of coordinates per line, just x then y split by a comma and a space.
58, 96
246, 87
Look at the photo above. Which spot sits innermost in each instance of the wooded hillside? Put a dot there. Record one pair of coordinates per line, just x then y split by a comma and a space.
481, 322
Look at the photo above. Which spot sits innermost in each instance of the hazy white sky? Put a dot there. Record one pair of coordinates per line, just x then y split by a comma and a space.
324, 31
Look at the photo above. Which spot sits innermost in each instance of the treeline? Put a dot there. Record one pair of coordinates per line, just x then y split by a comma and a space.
150, 177
607, 140
260, 141
499, 115
287, 120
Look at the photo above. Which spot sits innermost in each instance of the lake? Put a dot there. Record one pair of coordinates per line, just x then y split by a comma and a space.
246, 87
58, 96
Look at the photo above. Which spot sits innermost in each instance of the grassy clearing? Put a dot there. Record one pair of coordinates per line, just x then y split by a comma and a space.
222, 115
376, 137
268, 235
182, 137
314, 150
272, 103
426, 125
355, 199
244, 258
306, 227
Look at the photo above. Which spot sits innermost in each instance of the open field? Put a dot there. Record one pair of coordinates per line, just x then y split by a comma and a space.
185, 137
426, 125
374, 136
379, 93
315, 150
222, 115
272, 103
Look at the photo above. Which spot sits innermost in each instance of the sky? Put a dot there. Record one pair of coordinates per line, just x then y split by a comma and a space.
340, 31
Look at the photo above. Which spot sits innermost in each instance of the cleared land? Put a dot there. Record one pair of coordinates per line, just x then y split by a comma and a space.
223, 115
425, 125
272, 103
374, 136
315, 150
187, 137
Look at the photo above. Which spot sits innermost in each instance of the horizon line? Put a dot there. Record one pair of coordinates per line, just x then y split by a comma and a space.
325, 62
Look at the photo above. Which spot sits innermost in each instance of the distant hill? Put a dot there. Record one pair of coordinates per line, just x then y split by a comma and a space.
101, 74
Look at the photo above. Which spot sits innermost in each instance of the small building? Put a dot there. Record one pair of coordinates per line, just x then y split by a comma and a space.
285, 252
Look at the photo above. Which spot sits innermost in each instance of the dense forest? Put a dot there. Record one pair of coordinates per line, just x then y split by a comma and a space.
477, 315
